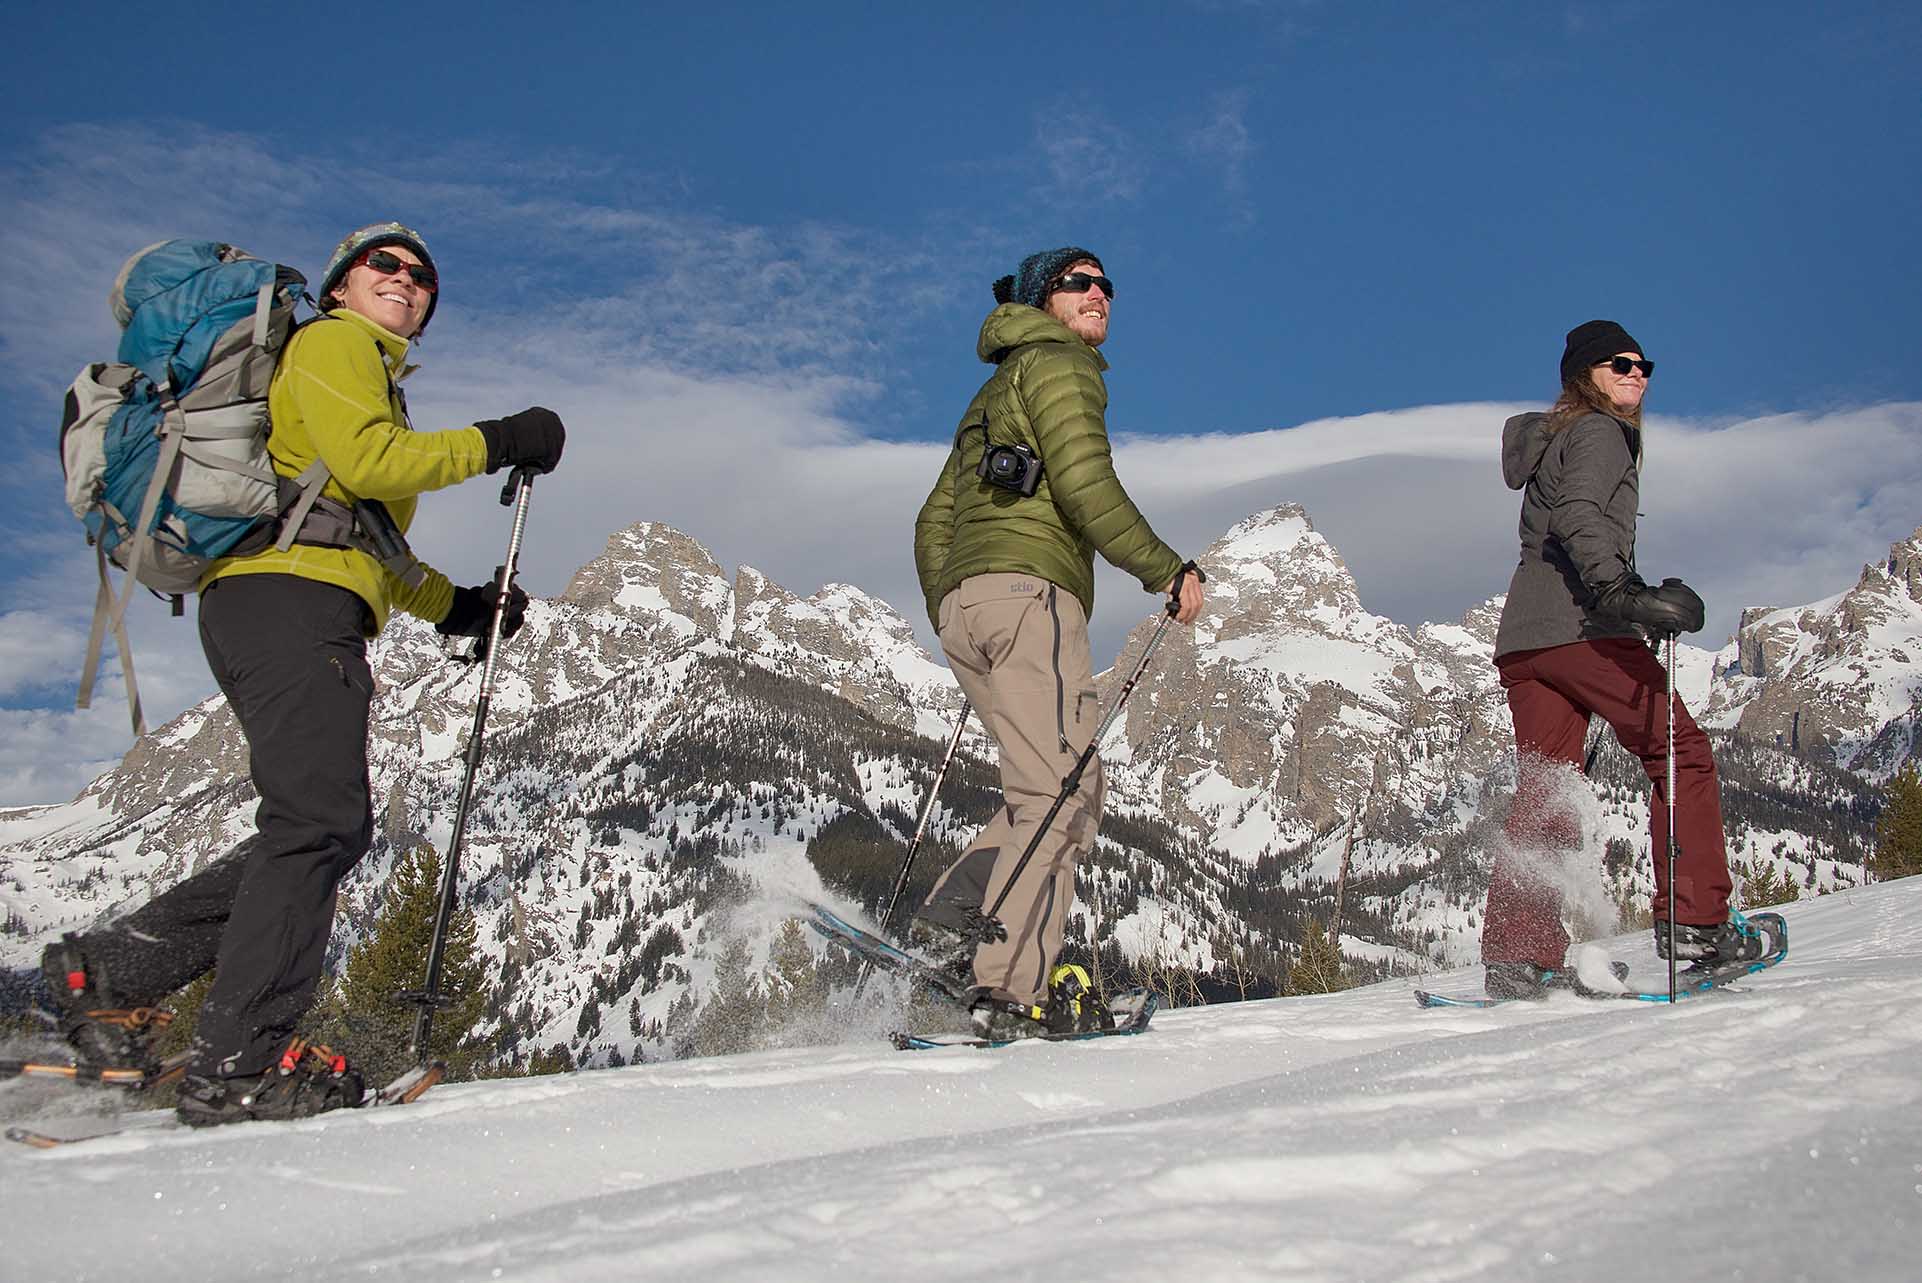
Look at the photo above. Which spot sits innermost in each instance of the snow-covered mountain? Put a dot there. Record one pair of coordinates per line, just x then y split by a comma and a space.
1839, 679
1768, 1132
666, 740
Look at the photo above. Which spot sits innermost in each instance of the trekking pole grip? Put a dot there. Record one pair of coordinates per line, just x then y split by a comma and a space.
519, 478
1173, 606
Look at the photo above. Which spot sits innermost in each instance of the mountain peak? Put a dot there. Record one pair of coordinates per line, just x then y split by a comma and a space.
650, 570
1275, 564
1279, 529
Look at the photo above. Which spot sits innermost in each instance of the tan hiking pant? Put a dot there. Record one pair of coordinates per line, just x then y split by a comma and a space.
1019, 647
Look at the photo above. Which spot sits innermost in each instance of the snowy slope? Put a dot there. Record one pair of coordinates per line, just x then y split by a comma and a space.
1771, 1133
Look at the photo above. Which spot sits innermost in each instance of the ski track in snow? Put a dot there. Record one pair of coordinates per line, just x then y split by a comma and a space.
1772, 1132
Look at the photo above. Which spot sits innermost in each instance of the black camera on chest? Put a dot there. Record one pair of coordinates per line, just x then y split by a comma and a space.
1010, 467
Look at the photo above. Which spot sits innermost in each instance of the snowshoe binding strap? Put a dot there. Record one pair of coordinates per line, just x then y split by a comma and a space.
325, 1059
1073, 1005
135, 1020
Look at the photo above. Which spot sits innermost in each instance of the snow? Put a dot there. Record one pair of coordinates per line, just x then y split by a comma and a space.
647, 599
1306, 658
1266, 534
1767, 1132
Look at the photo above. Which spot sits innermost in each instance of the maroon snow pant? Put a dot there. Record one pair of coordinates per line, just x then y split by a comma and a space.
1551, 694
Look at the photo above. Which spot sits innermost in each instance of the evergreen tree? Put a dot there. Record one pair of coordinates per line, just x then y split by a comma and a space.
796, 987
364, 1015
1898, 833
735, 1014
1318, 969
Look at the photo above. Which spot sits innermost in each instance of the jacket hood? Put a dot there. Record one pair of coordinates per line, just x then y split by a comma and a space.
1524, 442
1013, 324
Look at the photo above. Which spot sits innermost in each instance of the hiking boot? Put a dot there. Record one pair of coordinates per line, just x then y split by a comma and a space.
1004, 1019
309, 1079
102, 1033
1737, 940
1525, 980
1532, 982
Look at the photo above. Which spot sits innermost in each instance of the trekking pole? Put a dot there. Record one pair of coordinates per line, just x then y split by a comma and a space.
519, 486
1668, 650
920, 831
986, 924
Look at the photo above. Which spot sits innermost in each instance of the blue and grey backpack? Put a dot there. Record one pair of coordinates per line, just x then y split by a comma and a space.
165, 450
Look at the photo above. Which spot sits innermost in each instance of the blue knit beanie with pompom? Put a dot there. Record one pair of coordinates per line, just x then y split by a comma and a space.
1037, 272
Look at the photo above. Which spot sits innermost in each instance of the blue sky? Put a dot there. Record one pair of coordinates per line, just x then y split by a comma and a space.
744, 250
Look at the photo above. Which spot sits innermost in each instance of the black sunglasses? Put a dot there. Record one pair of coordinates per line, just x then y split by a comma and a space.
392, 264
1078, 283
1622, 365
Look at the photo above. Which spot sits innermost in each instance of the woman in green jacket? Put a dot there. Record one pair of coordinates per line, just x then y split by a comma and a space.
285, 631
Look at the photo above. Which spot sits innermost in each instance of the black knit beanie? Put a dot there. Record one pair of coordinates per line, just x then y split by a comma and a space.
1037, 272
1593, 342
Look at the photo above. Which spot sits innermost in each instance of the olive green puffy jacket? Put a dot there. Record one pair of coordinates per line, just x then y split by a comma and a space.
1046, 393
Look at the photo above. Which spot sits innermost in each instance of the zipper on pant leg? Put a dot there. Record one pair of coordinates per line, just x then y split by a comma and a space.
1060, 686
1041, 975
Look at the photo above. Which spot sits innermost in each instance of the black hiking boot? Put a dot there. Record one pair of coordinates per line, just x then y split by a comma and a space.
103, 1033
308, 1080
1005, 1019
1532, 982
1737, 940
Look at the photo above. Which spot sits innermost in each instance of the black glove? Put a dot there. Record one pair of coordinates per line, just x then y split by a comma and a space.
1672, 608
473, 611
533, 438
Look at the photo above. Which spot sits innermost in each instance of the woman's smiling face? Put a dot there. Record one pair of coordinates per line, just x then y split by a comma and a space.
392, 300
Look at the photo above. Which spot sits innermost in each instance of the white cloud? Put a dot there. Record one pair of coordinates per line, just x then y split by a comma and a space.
48, 755
1776, 510
1086, 151
1225, 143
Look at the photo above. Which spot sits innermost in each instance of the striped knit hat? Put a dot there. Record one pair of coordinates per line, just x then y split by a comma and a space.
369, 237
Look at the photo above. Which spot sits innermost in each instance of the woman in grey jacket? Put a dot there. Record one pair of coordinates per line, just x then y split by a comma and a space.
1571, 646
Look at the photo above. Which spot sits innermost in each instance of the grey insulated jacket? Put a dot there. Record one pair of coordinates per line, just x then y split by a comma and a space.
1579, 490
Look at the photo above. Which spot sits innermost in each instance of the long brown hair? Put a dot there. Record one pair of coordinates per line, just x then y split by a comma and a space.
1580, 396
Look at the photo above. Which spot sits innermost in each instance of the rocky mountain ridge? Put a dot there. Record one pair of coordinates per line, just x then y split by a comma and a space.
667, 745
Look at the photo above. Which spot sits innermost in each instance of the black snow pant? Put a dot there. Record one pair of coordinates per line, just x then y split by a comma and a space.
290, 654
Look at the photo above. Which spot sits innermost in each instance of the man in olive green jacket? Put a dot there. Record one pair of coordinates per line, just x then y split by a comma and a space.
1005, 550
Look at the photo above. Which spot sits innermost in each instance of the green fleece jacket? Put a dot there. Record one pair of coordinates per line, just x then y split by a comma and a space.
334, 398
1046, 393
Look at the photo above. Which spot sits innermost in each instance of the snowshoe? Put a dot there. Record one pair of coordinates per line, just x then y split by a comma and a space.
1736, 940
102, 1033
309, 1079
